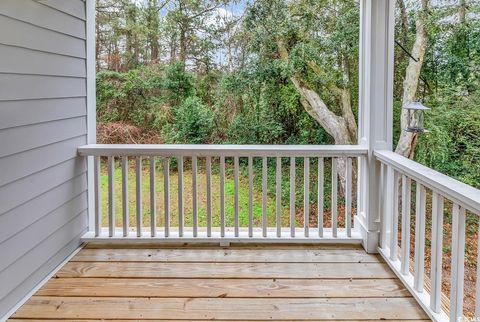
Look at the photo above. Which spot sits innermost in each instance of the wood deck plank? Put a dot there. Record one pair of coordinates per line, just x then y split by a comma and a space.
225, 270
245, 288
204, 282
220, 308
227, 255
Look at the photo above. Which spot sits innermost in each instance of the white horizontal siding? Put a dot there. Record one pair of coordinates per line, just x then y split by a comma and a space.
27, 264
22, 138
21, 87
24, 112
43, 16
75, 8
17, 60
14, 220
14, 248
23, 190
18, 33
43, 182
17, 166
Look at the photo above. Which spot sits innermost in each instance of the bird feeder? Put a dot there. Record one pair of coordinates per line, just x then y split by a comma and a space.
416, 111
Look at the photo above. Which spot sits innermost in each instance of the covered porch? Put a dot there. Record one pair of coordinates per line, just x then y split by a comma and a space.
72, 251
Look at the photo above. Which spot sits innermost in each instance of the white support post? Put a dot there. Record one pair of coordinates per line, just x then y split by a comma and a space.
91, 107
377, 23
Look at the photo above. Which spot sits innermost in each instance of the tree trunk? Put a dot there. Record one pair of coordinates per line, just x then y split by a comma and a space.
407, 142
462, 12
336, 126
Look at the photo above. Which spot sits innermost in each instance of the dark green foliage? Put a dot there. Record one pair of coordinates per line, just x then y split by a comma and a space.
452, 145
193, 123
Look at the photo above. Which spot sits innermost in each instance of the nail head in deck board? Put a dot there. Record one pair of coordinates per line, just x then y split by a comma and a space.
220, 308
225, 270
225, 255
244, 288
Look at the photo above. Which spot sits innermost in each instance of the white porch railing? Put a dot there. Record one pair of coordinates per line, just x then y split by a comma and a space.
109, 226
448, 196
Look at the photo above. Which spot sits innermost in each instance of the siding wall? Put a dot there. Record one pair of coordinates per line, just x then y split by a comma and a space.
43, 106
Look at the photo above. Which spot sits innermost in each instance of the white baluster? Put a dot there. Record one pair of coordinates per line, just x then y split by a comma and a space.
111, 196
166, 194
236, 196
320, 196
250, 197
264, 197
194, 196
458, 262
153, 199
125, 210
306, 196
437, 252
405, 242
292, 196
419, 263
348, 198
181, 220
222, 196
209, 196
98, 197
279, 197
138, 190
334, 198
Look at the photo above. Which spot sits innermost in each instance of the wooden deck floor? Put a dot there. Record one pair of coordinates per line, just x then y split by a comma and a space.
254, 283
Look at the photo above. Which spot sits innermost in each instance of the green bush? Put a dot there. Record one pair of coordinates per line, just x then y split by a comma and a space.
193, 123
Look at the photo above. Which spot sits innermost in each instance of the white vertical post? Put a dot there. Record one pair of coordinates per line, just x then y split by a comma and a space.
458, 262
419, 263
181, 220
138, 190
437, 252
250, 196
209, 196
98, 197
306, 196
166, 194
377, 22
405, 242
91, 113
292, 196
320, 176
334, 198
279, 197
222, 196
264, 197
153, 199
194, 196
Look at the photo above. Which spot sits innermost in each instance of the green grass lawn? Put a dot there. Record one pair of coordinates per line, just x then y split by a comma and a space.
202, 198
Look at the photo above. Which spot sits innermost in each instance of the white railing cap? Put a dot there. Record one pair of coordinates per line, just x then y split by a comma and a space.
222, 150
459, 192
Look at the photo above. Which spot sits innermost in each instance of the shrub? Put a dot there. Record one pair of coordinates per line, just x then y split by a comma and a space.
194, 123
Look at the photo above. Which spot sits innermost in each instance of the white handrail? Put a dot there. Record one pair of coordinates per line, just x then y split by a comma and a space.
216, 150
463, 194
